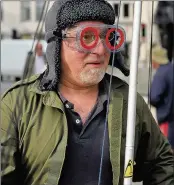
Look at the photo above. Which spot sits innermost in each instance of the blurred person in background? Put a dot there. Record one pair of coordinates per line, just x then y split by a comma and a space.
162, 90
40, 60
164, 18
36, 61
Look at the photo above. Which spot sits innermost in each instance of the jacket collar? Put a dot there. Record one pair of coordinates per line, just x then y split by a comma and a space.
51, 98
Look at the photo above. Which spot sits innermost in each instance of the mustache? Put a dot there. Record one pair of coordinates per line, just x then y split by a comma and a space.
95, 60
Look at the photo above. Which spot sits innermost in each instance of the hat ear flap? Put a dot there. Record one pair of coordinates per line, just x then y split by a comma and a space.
52, 74
119, 63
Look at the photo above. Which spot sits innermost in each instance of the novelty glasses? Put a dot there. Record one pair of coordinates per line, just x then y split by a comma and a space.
86, 37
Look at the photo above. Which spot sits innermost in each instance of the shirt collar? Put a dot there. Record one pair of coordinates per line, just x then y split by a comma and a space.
102, 97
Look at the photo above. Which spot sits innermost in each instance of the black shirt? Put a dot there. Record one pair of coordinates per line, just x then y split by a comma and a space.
83, 153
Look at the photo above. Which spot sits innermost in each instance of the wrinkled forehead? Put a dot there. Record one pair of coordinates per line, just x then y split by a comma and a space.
88, 24
84, 23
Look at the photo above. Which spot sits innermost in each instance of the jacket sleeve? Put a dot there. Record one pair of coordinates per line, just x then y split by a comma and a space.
9, 145
158, 88
157, 158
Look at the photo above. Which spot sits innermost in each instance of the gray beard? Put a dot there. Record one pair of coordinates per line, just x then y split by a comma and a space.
92, 76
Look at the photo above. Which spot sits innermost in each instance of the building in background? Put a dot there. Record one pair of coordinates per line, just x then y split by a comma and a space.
22, 16
126, 21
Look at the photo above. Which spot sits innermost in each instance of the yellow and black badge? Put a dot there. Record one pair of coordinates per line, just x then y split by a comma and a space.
129, 169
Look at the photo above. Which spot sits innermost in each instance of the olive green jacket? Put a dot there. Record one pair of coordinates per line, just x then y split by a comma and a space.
34, 138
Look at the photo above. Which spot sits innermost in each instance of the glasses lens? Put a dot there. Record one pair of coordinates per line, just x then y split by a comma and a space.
89, 38
111, 37
115, 39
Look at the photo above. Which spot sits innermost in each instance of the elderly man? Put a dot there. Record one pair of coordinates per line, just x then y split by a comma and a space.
54, 124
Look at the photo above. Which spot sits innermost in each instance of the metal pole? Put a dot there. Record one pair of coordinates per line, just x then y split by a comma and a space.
131, 118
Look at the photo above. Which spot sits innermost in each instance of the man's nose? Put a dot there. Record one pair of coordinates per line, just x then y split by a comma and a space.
100, 49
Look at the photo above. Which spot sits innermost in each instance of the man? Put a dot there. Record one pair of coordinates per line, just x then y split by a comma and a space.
36, 63
162, 90
56, 135
164, 18
40, 60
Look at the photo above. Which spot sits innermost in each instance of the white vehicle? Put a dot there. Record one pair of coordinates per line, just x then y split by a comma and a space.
13, 58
